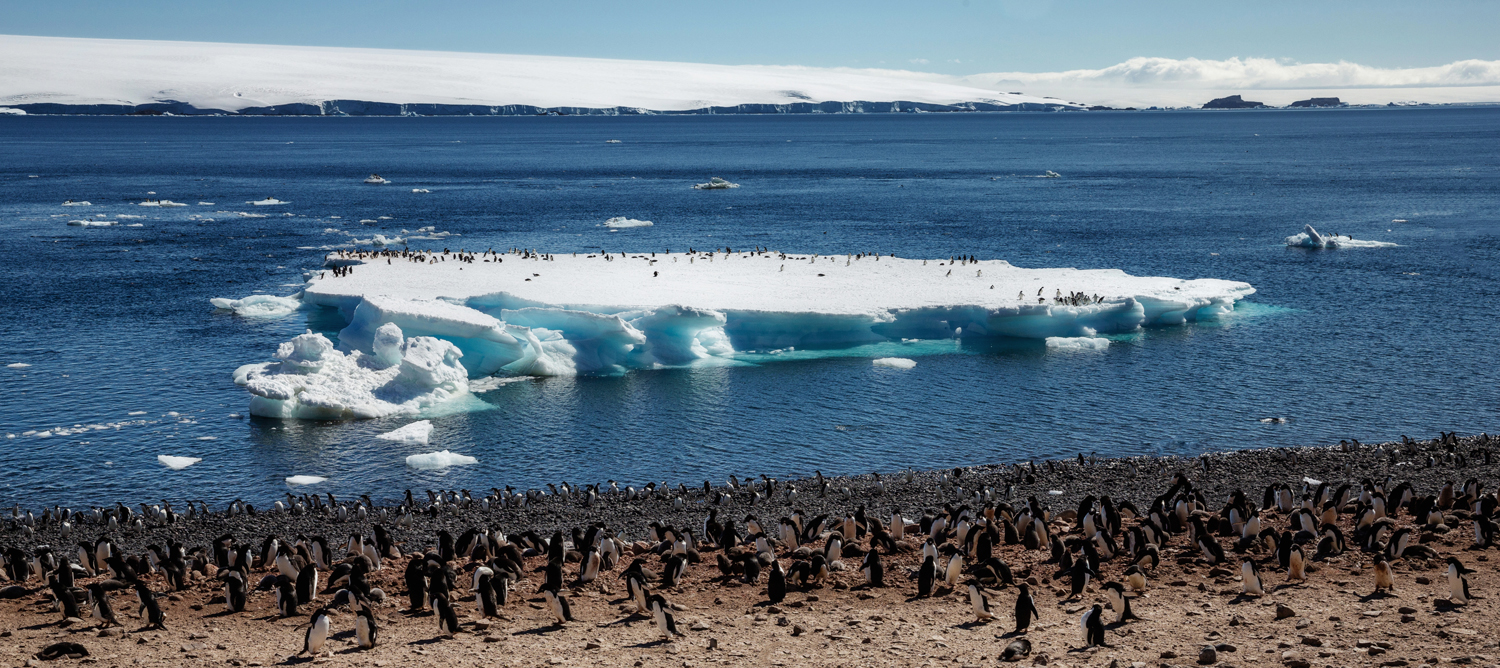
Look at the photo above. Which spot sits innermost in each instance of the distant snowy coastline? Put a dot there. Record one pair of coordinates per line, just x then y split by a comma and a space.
55, 75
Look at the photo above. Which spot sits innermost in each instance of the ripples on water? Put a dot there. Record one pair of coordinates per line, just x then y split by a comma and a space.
1364, 343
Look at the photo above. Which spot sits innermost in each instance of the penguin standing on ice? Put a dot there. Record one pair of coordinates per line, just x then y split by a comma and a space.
1092, 624
317, 633
981, 604
364, 628
1115, 592
1458, 584
1250, 574
1025, 608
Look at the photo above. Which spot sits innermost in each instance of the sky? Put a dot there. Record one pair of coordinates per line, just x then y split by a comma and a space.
951, 37
1167, 52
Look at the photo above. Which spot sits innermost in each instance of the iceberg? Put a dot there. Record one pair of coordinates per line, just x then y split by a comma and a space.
896, 362
716, 183
416, 433
312, 380
1310, 238
258, 306
305, 479
269, 201
177, 463
622, 221
438, 460
569, 315
161, 203
17, 365
1076, 343
91, 223
73, 203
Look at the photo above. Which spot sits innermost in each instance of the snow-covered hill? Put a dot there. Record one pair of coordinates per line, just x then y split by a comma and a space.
67, 75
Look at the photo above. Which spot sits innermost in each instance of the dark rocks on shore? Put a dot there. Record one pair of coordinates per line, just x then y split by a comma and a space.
1320, 102
1233, 102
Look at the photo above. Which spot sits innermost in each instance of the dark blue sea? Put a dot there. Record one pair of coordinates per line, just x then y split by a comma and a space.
1367, 343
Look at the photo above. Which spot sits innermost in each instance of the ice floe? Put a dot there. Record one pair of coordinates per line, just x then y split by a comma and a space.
161, 203
258, 306
79, 203
247, 214
492, 383
312, 380
17, 365
177, 463
1077, 343
567, 314
420, 190
269, 201
438, 460
896, 362
622, 221
716, 183
1310, 238
91, 223
416, 433
305, 479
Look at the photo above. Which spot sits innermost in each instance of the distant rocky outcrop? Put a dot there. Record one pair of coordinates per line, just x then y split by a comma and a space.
1233, 102
1320, 102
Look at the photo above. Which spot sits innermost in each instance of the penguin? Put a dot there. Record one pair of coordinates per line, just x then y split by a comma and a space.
155, 620
317, 633
1458, 585
1135, 578
416, 584
955, 569
447, 619
1092, 623
1385, 579
364, 628
636, 588
1016, 650
672, 574
104, 614
1296, 565
562, 612
874, 572
286, 598
776, 587
1025, 608
662, 612
925, 576
234, 591
1250, 574
981, 604
1115, 592
1079, 577
307, 585
484, 597
65, 601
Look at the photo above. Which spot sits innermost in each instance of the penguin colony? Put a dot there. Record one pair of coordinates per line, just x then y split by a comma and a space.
986, 545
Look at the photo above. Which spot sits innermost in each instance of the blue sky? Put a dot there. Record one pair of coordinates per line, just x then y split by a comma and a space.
943, 36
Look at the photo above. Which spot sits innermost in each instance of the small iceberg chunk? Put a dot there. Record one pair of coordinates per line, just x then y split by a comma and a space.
895, 362
1077, 343
161, 203
177, 463
376, 179
17, 365
1310, 238
716, 183
79, 203
420, 190
91, 223
269, 201
622, 221
416, 433
305, 480
611, 141
258, 306
438, 460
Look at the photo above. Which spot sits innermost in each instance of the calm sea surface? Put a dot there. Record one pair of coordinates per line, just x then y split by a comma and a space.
1362, 343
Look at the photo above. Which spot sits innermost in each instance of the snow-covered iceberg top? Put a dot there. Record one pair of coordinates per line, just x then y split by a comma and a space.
438, 460
1310, 238
716, 183
416, 433
622, 221
896, 362
399, 377
177, 463
592, 314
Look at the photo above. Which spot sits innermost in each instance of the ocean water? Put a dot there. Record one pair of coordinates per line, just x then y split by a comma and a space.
1355, 343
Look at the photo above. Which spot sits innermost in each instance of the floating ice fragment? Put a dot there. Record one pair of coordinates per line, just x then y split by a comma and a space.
1310, 238
420, 190
1077, 343
205, 204
1051, 175
136, 413
269, 201
177, 463
305, 480
246, 214
17, 365
494, 383
622, 221
44, 434
716, 183
258, 306
896, 362
315, 381
611, 141
438, 460
91, 223
208, 438
414, 434
79, 203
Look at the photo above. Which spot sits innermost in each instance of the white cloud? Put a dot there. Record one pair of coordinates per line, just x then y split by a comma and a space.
919, 61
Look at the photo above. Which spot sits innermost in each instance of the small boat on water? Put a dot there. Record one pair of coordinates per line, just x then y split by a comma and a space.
376, 179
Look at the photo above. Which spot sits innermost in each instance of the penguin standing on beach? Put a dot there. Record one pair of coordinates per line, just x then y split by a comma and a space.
447, 619
307, 585
1025, 608
925, 576
1458, 583
416, 584
64, 601
364, 628
1092, 624
1250, 574
662, 612
1385, 579
981, 604
776, 587
234, 591
1135, 578
874, 572
286, 598
104, 614
150, 609
1115, 592
562, 612
1296, 570
317, 633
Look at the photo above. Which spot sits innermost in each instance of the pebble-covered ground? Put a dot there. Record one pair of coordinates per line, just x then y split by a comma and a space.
1191, 613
